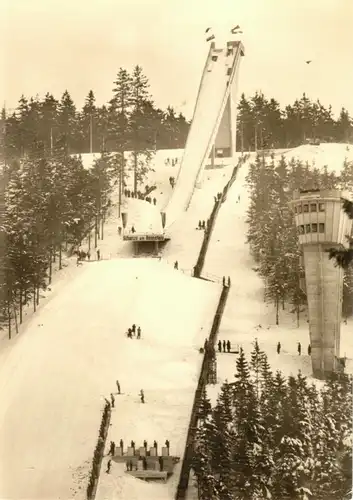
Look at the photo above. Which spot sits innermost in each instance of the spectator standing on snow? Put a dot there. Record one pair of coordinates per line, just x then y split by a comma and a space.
299, 348
278, 347
224, 346
176, 265
219, 346
133, 230
200, 224
118, 386
309, 350
109, 464
142, 396
112, 448
112, 400
139, 333
98, 254
133, 328
228, 346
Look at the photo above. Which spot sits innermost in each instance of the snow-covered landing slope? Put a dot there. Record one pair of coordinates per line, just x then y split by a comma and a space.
54, 378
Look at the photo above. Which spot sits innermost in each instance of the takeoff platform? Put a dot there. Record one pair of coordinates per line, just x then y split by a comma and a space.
213, 128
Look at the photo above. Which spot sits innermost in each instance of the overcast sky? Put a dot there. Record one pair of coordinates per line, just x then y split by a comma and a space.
53, 45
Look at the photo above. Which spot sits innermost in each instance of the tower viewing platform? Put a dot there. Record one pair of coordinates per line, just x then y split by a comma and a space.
322, 224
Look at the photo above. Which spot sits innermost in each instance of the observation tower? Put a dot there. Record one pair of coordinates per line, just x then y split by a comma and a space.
322, 224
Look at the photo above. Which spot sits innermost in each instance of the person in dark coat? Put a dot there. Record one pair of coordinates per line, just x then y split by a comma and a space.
167, 443
112, 448
224, 346
176, 265
145, 444
109, 464
98, 254
132, 444
155, 445
133, 230
228, 346
112, 398
133, 328
309, 350
299, 348
139, 332
142, 396
220, 346
118, 386
278, 347
121, 444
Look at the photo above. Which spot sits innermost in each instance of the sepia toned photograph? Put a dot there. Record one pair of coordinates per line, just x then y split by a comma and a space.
176, 249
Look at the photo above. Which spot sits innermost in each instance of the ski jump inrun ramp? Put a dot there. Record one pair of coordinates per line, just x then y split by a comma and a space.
213, 126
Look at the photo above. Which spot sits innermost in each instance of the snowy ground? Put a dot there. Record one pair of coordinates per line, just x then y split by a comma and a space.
55, 377
228, 255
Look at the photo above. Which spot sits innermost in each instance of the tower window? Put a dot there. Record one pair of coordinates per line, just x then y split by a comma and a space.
313, 207
321, 207
301, 229
305, 208
314, 228
214, 58
321, 227
307, 228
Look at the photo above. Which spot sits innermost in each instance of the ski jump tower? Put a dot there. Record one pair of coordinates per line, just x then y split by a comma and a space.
322, 224
212, 133
213, 127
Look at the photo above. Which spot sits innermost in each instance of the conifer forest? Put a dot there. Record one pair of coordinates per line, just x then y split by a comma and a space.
269, 437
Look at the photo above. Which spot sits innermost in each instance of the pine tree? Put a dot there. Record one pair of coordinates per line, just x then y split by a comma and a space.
140, 115
67, 124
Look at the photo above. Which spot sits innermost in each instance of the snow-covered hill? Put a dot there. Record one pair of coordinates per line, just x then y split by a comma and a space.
54, 376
